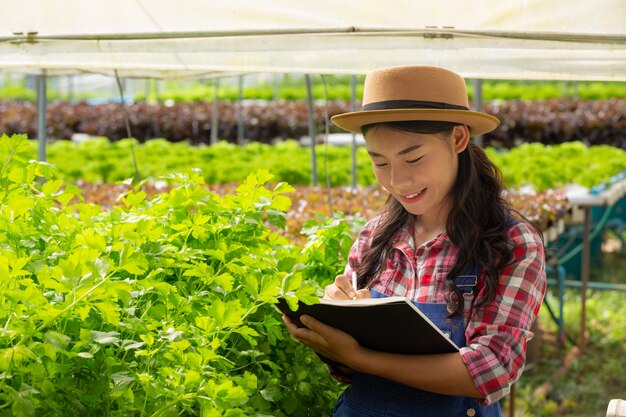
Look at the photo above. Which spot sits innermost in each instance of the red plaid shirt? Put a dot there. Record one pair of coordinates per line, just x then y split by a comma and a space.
496, 335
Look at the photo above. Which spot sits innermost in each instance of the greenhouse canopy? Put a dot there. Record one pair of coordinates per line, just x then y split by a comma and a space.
501, 39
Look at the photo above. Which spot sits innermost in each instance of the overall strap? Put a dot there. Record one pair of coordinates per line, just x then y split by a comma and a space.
465, 282
468, 278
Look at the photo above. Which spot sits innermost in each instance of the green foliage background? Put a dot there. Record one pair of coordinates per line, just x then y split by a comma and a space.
100, 160
337, 87
595, 377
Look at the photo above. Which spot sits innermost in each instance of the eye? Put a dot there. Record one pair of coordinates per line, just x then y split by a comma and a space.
379, 162
414, 160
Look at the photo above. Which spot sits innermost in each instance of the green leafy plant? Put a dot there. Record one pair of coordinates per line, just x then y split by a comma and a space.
545, 166
157, 307
328, 242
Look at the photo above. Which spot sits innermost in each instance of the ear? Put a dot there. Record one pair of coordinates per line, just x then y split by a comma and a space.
460, 137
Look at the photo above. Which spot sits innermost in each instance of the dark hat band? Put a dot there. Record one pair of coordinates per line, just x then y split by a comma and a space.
410, 104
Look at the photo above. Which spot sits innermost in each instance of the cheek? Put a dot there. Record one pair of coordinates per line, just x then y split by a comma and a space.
438, 171
381, 177
428, 170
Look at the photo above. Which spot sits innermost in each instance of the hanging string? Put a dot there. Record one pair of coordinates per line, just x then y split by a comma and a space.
326, 140
128, 131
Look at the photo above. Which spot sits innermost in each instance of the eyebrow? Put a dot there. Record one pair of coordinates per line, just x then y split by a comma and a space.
402, 152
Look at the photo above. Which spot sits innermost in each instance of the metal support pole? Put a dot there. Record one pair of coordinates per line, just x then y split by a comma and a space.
585, 277
157, 90
215, 119
512, 401
353, 108
309, 107
561, 338
146, 89
41, 114
276, 91
240, 128
477, 103
70, 88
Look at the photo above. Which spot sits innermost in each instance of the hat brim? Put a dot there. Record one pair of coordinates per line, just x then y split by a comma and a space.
478, 123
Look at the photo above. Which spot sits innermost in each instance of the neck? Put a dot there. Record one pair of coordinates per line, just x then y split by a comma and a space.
426, 231
433, 221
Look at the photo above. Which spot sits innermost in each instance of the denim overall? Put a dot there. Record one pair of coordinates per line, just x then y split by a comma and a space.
373, 396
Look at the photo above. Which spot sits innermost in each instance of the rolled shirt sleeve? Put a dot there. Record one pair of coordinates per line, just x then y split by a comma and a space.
497, 334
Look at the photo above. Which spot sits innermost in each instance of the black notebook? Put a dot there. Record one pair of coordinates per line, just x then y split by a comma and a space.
388, 324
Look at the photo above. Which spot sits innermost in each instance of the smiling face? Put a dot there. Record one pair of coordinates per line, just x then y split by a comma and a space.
417, 169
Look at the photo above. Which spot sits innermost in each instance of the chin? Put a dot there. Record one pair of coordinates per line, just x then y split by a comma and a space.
413, 210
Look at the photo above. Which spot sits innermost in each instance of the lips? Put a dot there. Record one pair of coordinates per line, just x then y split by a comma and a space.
412, 198
414, 195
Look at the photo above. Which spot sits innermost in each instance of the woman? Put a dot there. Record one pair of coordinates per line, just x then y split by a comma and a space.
447, 241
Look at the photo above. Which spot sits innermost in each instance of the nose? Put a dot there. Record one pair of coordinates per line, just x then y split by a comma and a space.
400, 179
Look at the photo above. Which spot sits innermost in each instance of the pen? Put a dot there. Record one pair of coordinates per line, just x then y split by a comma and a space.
354, 279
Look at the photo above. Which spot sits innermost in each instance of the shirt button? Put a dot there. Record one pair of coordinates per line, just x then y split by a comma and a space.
471, 412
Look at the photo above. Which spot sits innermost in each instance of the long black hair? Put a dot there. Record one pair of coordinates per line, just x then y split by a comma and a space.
477, 223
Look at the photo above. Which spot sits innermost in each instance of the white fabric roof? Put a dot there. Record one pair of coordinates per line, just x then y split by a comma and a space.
501, 39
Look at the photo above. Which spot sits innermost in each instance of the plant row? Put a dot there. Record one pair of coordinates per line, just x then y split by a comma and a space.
556, 166
337, 88
179, 122
558, 121
548, 122
543, 208
99, 160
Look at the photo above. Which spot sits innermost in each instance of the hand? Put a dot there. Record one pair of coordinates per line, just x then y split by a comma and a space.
342, 289
328, 341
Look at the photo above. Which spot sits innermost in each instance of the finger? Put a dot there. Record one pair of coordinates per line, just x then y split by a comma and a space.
364, 293
291, 326
344, 284
302, 331
310, 338
315, 325
333, 292
302, 334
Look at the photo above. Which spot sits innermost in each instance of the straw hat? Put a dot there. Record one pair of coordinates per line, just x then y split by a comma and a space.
415, 92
